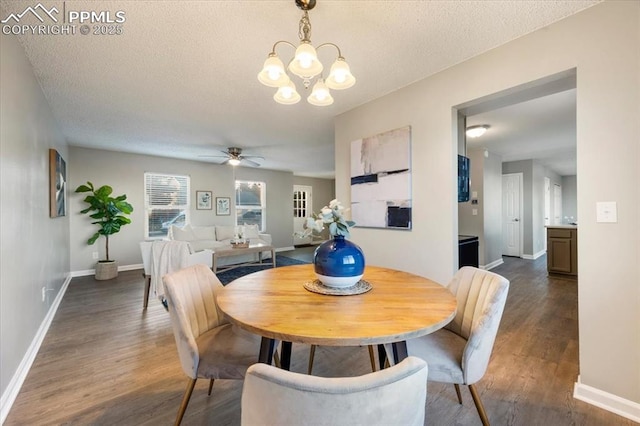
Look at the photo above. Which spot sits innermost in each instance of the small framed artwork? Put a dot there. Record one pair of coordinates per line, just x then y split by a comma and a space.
203, 200
57, 184
223, 206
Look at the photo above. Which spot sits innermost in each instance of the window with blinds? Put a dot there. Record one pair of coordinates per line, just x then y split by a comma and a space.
166, 202
251, 203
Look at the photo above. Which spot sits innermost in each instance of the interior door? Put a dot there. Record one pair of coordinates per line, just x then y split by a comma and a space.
511, 214
557, 204
302, 205
547, 208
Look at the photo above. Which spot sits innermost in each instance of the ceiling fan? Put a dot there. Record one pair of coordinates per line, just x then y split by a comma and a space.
233, 155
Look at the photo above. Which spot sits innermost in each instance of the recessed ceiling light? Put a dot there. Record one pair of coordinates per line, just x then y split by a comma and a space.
477, 131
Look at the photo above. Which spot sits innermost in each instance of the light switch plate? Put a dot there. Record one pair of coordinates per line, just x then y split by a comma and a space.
474, 194
474, 212
606, 212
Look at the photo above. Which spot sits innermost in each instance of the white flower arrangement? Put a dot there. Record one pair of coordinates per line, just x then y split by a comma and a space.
333, 214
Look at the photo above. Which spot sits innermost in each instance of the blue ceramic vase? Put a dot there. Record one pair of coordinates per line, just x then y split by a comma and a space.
338, 262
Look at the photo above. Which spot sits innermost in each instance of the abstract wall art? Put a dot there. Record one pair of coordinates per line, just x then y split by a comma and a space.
381, 180
57, 184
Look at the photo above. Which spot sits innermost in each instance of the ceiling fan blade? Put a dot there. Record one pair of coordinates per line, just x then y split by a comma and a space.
250, 162
257, 157
213, 156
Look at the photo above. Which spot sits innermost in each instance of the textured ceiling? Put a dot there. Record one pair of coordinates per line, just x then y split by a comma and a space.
181, 79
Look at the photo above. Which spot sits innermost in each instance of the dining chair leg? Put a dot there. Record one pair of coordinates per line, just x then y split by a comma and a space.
147, 286
185, 401
372, 358
210, 386
458, 392
276, 359
479, 406
312, 352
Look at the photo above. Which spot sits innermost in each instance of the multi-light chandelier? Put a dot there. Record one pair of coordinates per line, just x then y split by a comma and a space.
305, 64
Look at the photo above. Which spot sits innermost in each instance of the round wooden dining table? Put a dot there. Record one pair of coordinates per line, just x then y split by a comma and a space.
274, 304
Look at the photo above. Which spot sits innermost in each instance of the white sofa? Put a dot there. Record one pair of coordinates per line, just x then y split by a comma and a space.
209, 238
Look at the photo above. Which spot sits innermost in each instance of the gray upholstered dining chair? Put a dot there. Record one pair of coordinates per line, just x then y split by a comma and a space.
393, 396
459, 353
208, 345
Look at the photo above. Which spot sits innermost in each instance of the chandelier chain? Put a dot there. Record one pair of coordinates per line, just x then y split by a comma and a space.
304, 31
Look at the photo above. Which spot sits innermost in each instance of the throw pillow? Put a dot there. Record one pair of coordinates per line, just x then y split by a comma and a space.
204, 232
251, 231
182, 234
225, 232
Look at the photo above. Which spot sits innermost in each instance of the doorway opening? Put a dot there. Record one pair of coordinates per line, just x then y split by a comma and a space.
533, 134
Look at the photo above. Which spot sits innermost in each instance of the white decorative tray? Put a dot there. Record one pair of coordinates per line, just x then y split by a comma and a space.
316, 286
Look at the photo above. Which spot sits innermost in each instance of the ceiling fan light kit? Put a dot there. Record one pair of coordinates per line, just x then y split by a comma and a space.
306, 65
234, 157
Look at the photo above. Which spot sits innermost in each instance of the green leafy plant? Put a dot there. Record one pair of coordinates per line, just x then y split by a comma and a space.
109, 212
333, 214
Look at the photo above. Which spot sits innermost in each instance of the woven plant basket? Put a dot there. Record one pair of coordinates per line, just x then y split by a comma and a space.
106, 270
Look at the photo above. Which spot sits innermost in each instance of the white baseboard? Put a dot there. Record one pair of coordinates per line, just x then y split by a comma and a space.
88, 272
11, 392
492, 264
535, 256
607, 401
132, 267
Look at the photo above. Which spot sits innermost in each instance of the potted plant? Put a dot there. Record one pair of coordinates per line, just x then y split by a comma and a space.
109, 214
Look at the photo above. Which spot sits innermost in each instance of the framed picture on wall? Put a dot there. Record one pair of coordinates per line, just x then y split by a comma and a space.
57, 184
223, 206
203, 200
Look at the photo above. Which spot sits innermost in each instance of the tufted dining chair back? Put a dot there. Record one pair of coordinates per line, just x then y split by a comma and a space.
191, 294
208, 345
481, 297
393, 396
459, 353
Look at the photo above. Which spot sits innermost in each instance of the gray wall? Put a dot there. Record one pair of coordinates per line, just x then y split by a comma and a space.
537, 210
492, 208
486, 180
125, 173
324, 190
34, 249
601, 43
468, 223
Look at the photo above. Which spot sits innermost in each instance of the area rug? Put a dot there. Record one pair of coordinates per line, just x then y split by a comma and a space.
226, 277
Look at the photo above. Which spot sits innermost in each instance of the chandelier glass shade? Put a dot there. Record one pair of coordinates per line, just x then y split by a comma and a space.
305, 65
287, 94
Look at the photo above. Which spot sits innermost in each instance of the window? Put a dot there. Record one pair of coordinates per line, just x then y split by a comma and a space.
166, 203
251, 203
300, 203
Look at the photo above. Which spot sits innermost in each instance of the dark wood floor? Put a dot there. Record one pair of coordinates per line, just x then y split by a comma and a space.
105, 361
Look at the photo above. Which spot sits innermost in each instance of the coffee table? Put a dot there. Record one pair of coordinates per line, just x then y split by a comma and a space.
253, 248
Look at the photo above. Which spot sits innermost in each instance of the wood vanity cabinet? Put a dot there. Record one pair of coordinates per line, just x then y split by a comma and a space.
562, 250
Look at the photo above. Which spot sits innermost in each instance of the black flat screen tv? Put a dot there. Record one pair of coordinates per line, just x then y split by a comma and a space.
463, 178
